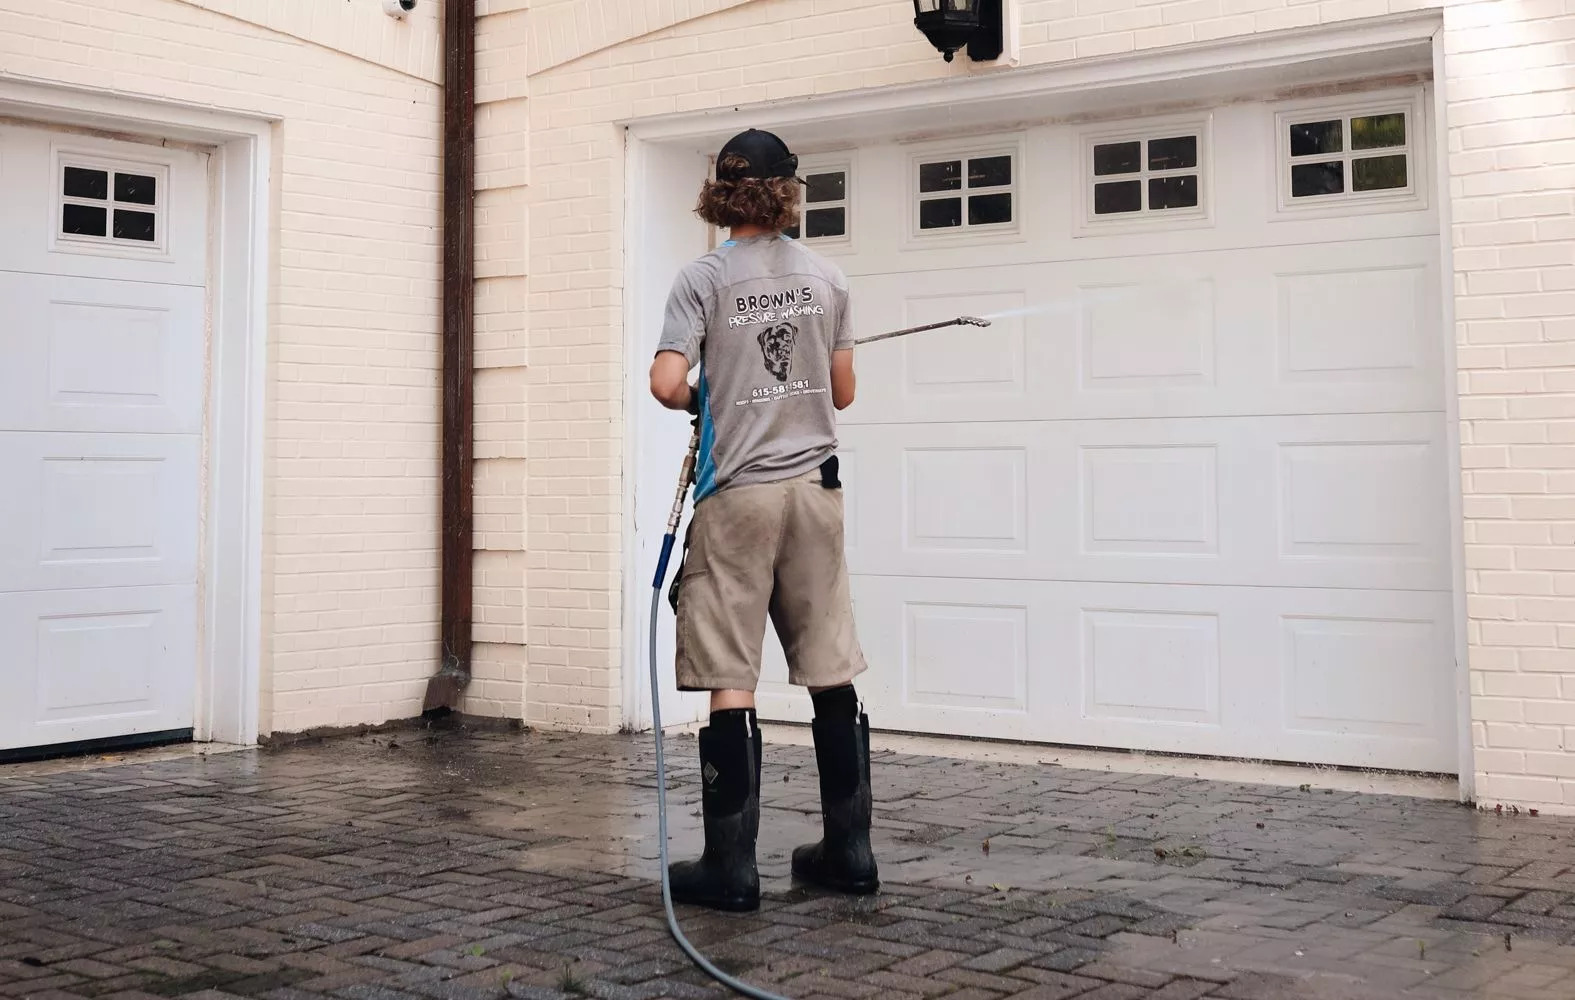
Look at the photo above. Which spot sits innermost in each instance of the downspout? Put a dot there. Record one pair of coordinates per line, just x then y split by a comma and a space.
459, 187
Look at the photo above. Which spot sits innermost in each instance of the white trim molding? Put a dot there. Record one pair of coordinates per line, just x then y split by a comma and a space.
229, 683
1435, 101
1269, 51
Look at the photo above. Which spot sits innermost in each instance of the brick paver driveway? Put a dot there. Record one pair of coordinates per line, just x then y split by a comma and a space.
468, 865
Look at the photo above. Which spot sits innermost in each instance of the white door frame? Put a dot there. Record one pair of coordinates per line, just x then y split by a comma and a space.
229, 682
1457, 518
1244, 56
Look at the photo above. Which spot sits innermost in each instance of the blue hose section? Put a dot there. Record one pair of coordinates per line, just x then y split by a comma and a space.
737, 986
661, 567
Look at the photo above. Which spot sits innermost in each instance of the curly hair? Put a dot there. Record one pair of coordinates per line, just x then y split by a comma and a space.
732, 200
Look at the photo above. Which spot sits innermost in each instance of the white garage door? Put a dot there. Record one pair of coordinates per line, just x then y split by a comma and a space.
1190, 492
101, 409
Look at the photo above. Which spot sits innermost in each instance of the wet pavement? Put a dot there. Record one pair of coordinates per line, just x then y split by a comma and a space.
477, 866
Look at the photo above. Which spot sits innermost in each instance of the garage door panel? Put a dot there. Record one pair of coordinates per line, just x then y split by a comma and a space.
95, 664
98, 511
1338, 677
1333, 501
32, 196
988, 361
1360, 324
1228, 334
1171, 669
962, 500
101, 356
1343, 501
958, 656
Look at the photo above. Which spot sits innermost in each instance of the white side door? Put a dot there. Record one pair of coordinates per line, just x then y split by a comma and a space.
102, 371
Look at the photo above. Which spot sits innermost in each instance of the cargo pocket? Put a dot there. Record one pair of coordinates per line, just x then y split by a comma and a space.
690, 597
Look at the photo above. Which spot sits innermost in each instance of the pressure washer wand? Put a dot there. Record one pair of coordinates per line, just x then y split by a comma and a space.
959, 321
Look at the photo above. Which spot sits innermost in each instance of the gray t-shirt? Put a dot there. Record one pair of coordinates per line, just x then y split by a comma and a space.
760, 316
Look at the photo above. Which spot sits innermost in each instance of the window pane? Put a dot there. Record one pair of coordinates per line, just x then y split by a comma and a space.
822, 222
942, 213
990, 171
86, 183
1308, 180
945, 176
1377, 131
1378, 173
1317, 138
1173, 154
989, 209
133, 225
1173, 192
83, 220
135, 188
1121, 196
1118, 158
831, 186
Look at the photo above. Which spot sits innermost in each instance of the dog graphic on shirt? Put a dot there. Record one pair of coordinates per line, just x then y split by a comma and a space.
776, 348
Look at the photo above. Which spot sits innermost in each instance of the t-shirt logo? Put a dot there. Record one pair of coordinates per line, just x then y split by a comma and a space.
776, 347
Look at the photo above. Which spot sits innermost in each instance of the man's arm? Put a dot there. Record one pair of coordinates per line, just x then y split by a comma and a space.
670, 381
842, 380
679, 347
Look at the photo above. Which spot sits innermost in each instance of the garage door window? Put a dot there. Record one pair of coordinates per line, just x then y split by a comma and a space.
1345, 157
1149, 173
965, 192
824, 209
111, 205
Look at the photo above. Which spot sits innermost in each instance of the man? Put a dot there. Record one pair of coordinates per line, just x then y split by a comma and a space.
767, 322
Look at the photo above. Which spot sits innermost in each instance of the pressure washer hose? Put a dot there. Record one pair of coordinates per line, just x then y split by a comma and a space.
685, 478
737, 986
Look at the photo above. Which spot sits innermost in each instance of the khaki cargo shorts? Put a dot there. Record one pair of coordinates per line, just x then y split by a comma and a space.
773, 549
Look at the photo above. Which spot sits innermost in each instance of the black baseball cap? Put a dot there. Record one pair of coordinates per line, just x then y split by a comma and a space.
768, 156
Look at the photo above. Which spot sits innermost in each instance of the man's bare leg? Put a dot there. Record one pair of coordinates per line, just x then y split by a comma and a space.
721, 701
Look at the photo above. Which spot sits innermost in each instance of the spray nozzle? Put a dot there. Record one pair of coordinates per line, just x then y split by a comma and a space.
972, 321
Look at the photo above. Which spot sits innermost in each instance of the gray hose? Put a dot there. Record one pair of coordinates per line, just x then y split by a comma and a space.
736, 985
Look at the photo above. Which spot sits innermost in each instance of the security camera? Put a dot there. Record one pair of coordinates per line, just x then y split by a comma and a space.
399, 8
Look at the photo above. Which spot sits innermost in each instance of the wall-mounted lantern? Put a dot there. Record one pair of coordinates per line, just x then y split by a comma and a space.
954, 24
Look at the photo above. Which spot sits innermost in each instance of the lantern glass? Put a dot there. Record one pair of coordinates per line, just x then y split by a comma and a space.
961, 6
926, 6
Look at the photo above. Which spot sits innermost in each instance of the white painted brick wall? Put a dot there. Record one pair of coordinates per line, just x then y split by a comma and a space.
1512, 163
351, 466
1512, 158
502, 175
359, 28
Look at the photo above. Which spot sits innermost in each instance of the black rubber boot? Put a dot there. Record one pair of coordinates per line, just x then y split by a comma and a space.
725, 877
843, 860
